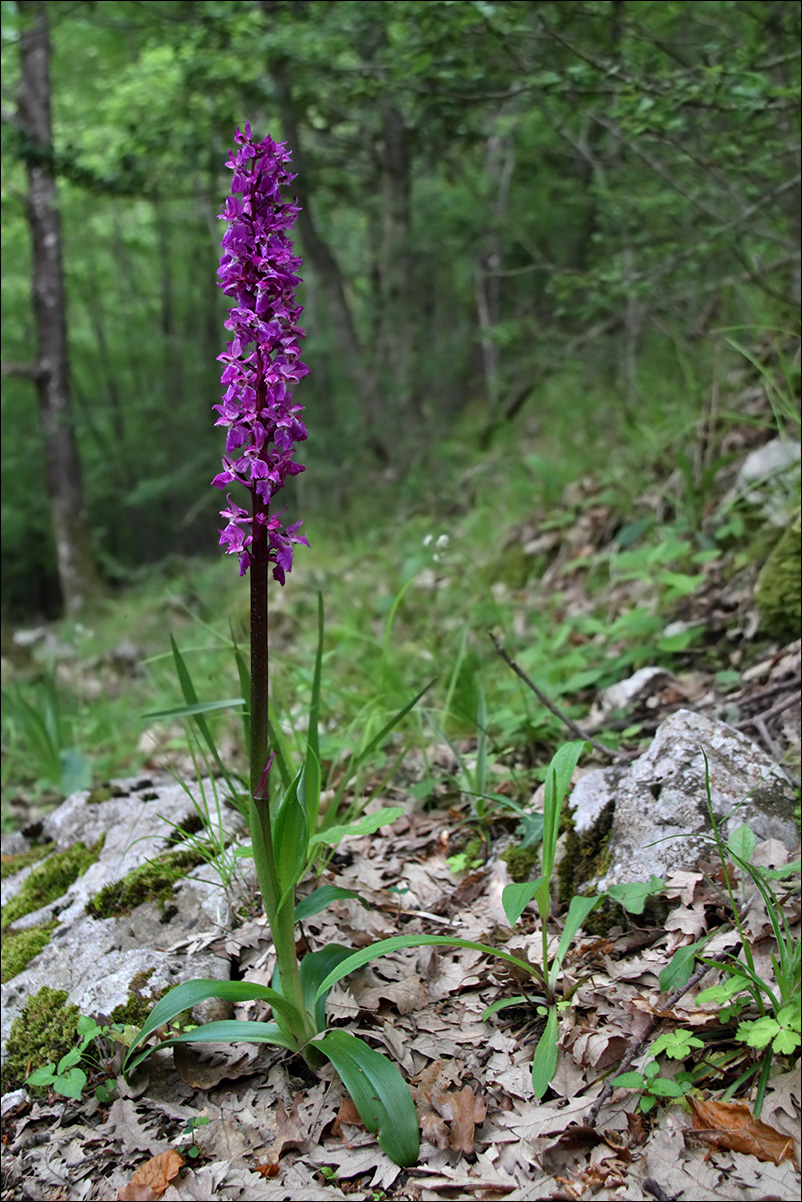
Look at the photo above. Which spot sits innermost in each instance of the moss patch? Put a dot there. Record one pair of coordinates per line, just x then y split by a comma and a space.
12, 864
134, 1012
51, 880
44, 1032
20, 947
778, 597
150, 882
521, 862
586, 855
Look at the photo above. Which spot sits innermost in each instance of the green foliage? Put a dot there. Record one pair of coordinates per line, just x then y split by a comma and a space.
51, 880
44, 732
778, 596
20, 947
653, 1088
43, 1032
67, 1077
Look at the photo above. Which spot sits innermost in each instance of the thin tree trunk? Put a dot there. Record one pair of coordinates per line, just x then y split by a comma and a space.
76, 566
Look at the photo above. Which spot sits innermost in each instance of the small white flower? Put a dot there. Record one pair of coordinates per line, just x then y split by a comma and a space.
427, 540
442, 542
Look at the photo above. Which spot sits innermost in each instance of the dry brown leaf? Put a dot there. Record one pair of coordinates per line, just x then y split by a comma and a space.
289, 1134
467, 1109
152, 1178
347, 1113
732, 1125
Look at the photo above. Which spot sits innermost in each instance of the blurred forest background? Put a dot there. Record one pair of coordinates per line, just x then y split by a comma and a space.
512, 212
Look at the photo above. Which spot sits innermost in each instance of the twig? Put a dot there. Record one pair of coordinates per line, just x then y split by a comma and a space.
768, 714
552, 708
769, 691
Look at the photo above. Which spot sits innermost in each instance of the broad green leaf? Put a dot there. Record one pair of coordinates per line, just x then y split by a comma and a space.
365, 826
385, 946
679, 968
72, 1084
230, 1030
379, 1093
632, 895
629, 1081
42, 1076
742, 843
320, 898
315, 967
662, 1087
185, 996
544, 1061
515, 898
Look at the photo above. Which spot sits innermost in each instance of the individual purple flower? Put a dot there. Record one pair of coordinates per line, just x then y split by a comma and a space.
262, 361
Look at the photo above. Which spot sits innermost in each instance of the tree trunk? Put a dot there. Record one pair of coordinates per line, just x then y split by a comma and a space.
76, 566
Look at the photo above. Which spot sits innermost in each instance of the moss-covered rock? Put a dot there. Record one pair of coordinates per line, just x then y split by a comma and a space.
20, 947
778, 596
13, 864
150, 882
140, 1001
521, 862
43, 1033
51, 880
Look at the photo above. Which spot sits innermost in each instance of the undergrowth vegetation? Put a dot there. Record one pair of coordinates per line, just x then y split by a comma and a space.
590, 541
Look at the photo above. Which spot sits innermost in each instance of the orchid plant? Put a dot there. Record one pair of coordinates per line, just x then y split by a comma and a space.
261, 366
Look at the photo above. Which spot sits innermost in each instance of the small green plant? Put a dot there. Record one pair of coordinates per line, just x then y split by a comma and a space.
67, 1077
652, 1087
191, 1149
769, 1010
40, 725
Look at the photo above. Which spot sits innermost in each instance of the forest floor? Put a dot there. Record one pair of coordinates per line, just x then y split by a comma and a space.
684, 600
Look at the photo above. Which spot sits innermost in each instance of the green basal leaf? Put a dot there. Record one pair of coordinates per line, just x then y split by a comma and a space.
320, 898
663, 1087
515, 898
503, 1004
742, 843
42, 1076
365, 826
544, 1061
379, 1093
385, 946
185, 996
230, 1030
579, 909
315, 967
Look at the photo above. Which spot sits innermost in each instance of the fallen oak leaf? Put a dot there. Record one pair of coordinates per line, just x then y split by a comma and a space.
289, 1134
732, 1125
467, 1110
347, 1113
152, 1178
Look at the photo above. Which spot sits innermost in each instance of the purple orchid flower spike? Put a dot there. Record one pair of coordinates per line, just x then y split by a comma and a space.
262, 361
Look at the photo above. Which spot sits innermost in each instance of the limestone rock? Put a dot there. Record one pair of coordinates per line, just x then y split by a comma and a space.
102, 962
659, 803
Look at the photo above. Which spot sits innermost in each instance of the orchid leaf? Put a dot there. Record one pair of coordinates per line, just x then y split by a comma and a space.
379, 1093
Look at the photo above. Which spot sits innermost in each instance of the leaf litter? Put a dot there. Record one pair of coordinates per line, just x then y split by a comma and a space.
276, 1133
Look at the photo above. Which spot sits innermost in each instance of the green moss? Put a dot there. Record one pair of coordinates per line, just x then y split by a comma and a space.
521, 862
512, 567
586, 855
42, 1033
150, 882
134, 1012
19, 947
13, 864
51, 880
778, 596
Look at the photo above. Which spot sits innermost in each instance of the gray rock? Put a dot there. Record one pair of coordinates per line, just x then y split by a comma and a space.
99, 962
769, 479
660, 802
